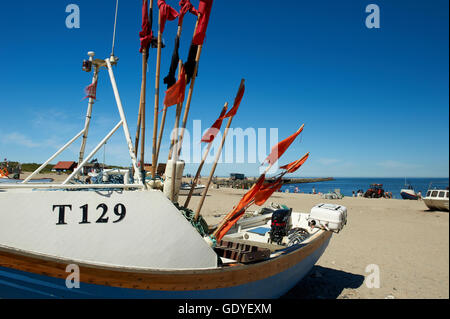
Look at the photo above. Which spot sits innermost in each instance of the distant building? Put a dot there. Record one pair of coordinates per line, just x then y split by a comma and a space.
235, 176
64, 167
93, 167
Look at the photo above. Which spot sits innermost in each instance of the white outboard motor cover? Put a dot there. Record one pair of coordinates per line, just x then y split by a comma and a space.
328, 216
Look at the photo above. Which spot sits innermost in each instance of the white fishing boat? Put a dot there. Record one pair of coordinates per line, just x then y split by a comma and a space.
186, 188
409, 193
437, 199
128, 239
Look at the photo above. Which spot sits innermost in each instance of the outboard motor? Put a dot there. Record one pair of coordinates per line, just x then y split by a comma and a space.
279, 225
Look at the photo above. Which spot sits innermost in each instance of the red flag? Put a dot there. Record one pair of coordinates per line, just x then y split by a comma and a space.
167, 13
292, 167
266, 191
146, 34
281, 147
211, 133
186, 6
175, 94
239, 210
237, 101
204, 9
91, 91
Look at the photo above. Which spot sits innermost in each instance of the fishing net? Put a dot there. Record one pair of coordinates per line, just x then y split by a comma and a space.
200, 225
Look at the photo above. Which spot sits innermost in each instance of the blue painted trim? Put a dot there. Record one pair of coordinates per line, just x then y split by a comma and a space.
408, 196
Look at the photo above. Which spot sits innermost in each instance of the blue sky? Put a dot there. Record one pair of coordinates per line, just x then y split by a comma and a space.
374, 101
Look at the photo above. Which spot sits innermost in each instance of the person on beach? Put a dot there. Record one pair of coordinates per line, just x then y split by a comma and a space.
314, 190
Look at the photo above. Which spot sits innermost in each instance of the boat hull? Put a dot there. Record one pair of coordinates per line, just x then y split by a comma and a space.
436, 204
409, 194
198, 190
28, 277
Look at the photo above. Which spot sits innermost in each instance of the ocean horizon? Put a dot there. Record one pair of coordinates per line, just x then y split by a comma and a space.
347, 185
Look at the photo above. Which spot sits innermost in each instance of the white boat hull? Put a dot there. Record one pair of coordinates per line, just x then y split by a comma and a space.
436, 204
152, 233
198, 190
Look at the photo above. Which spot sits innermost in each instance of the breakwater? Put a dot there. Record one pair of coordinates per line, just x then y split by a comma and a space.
248, 183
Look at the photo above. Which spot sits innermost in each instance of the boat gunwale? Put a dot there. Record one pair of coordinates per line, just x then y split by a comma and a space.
165, 280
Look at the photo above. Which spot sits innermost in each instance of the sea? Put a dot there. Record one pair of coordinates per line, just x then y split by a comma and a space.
348, 185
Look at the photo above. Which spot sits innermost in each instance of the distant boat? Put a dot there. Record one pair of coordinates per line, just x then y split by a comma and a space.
409, 193
185, 188
437, 198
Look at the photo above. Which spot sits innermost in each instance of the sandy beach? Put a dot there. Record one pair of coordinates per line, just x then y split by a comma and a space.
409, 244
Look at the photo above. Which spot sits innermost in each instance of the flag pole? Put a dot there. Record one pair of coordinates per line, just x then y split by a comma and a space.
141, 113
197, 175
163, 120
142, 106
155, 120
188, 101
200, 204
189, 97
211, 174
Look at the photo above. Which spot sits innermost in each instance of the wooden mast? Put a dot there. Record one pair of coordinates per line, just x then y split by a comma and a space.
161, 130
189, 97
155, 120
142, 106
188, 101
140, 130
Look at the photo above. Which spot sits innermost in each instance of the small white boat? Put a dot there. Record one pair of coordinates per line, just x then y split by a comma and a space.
437, 199
409, 193
185, 189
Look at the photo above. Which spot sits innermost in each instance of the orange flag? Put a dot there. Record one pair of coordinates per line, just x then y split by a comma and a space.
239, 210
266, 191
292, 167
211, 133
281, 147
175, 94
237, 101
